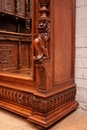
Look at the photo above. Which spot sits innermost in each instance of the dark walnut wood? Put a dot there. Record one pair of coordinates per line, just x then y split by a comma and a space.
37, 52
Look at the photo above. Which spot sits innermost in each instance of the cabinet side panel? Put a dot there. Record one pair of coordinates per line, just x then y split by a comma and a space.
63, 46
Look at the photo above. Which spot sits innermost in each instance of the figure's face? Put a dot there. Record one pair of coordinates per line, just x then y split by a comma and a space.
42, 27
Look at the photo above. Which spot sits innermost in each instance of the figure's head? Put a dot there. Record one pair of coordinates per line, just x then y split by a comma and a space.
43, 27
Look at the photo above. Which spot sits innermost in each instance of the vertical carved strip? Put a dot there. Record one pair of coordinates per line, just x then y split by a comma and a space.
20, 61
27, 10
41, 44
16, 7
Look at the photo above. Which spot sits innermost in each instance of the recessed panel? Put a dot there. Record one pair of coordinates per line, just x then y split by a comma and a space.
8, 6
62, 40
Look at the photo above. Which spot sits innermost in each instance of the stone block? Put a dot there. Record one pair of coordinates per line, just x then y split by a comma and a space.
79, 3
81, 63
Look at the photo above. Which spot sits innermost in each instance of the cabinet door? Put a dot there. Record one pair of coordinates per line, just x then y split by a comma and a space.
8, 6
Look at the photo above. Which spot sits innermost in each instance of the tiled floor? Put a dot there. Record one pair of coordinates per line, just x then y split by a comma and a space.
77, 120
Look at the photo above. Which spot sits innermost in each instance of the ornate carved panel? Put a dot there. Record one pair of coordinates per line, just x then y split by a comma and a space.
7, 55
20, 8
8, 6
25, 54
20, 5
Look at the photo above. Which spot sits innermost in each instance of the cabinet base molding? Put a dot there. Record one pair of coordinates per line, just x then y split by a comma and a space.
53, 116
43, 109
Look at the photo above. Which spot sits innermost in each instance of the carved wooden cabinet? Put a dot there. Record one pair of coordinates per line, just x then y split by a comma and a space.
37, 51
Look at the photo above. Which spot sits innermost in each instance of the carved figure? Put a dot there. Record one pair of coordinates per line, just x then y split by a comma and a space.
41, 40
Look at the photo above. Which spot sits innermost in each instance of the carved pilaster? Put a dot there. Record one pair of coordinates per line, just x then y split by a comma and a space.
41, 44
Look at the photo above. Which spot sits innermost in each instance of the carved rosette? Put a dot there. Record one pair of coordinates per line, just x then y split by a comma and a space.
41, 44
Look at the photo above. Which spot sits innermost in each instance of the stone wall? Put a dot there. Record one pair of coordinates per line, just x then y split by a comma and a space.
81, 53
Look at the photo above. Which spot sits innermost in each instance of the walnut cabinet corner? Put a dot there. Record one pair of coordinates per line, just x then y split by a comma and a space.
37, 54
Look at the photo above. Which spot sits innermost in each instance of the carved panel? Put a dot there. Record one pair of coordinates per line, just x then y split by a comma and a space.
43, 79
20, 8
7, 55
25, 54
8, 6
42, 73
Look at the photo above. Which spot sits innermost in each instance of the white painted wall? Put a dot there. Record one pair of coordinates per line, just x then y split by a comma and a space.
81, 53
